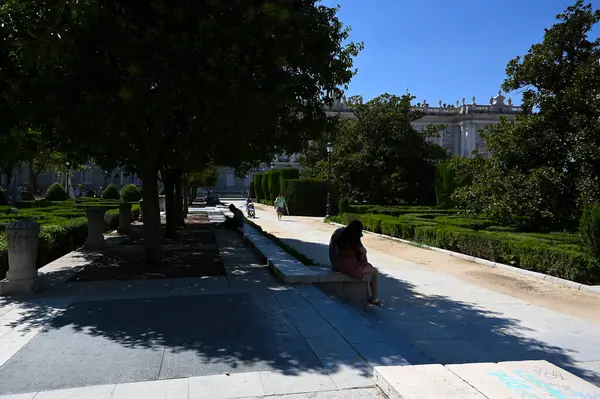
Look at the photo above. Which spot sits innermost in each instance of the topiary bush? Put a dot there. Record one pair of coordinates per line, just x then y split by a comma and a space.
111, 193
56, 192
589, 230
3, 197
265, 186
308, 197
258, 187
131, 193
286, 174
27, 196
274, 189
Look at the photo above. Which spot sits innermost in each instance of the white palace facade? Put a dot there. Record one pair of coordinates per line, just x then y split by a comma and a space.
461, 136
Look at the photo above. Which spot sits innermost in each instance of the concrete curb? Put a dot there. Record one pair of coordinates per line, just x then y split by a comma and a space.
591, 289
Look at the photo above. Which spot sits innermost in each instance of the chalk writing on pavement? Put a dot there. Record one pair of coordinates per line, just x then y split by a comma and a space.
525, 384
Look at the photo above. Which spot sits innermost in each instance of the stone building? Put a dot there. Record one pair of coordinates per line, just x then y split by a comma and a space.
461, 136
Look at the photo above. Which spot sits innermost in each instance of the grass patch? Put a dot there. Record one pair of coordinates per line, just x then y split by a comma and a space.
305, 260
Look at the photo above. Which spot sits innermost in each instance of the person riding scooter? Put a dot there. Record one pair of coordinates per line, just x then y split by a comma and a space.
250, 208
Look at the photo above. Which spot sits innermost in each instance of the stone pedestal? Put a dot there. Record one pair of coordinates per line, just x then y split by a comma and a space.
162, 203
95, 221
141, 217
22, 241
124, 219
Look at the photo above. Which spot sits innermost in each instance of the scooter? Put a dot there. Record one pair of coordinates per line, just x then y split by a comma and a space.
250, 210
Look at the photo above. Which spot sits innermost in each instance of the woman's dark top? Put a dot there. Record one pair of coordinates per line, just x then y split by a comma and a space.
349, 241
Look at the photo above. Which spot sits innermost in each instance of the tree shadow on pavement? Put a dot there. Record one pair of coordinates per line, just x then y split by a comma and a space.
430, 328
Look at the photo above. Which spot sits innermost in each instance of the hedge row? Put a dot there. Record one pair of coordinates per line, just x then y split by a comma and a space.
62, 236
268, 185
555, 254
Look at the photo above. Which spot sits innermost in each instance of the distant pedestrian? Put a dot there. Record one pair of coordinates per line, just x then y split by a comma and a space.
280, 206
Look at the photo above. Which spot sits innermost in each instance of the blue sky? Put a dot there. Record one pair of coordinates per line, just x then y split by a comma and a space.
442, 49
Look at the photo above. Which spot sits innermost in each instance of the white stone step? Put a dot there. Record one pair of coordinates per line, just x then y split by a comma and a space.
505, 380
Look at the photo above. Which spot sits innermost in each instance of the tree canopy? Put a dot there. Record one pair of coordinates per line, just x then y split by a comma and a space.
146, 84
545, 164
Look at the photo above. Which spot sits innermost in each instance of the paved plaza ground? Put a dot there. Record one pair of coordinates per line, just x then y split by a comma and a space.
441, 309
241, 333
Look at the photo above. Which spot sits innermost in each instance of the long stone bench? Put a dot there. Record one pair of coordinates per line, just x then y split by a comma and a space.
292, 271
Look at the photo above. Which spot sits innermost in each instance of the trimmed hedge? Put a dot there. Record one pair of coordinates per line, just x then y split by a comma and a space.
111, 193
308, 197
274, 186
56, 192
251, 191
286, 174
130, 193
589, 230
265, 186
63, 229
258, 187
544, 253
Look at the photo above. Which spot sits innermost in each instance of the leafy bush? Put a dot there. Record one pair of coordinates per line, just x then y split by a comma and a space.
131, 193
553, 253
308, 197
111, 193
589, 230
27, 196
258, 187
274, 186
3, 197
56, 192
286, 174
251, 192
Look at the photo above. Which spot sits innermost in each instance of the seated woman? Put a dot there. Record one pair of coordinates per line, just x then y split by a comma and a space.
351, 259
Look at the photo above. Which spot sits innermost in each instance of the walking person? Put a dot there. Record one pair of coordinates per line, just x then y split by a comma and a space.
348, 255
280, 206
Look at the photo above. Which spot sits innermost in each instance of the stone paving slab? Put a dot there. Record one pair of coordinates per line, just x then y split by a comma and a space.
505, 380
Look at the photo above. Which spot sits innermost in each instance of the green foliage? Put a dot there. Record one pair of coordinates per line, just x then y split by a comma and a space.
27, 196
458, 172
3, 197
131, 193
305, 260
267, 202
63, 229
344, 205
265, 186
251, 191
162, 191
379, 157
546, 253
111, 193
287, 174
56, 192
274, 184
206, 177
308, 197
544, 164
589, 230
258, 186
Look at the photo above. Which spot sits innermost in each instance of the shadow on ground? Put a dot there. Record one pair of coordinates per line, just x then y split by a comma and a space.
438, 329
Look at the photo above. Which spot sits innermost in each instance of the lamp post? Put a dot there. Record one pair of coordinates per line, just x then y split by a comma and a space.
68, 192
329, 151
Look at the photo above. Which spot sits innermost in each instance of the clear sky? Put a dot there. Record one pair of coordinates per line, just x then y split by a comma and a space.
442, 49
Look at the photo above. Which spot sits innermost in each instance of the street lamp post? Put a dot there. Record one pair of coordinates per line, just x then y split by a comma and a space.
329, 151
68, 192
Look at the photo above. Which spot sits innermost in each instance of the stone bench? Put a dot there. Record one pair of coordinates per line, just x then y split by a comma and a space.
291, 271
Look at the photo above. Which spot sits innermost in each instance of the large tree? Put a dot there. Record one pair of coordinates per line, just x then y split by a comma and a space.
545, 165
137, 82
379, 157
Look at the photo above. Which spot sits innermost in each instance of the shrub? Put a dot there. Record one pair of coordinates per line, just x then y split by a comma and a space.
589, 230
3, 197
444, 184
130, 193
541, 253
265, 186
258, 188
274, 186
56, 192
286, 174
111, 193
251, 192
308, 197
344, 205
27, 196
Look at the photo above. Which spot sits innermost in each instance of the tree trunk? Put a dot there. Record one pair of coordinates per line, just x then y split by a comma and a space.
179, 217
151, 211
171, 229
